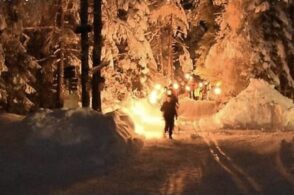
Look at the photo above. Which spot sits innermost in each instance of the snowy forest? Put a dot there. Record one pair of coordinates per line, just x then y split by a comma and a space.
143, 42
170, 97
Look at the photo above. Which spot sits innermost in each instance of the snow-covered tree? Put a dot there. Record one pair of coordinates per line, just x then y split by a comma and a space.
170, 25
254, 40
126, 47
19, 68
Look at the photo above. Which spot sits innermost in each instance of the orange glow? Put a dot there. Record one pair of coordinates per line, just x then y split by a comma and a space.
156, 95
157, 87
188, 88
217, 90
187, 76
153, 97
218, 84
147, 118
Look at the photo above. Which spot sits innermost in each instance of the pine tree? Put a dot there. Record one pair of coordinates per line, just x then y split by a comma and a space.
171, 20
85, 52
60, 69
96, 93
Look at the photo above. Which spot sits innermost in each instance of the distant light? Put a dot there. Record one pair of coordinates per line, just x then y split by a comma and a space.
217, 90
218, 84
157, 87
176, 86
188, 88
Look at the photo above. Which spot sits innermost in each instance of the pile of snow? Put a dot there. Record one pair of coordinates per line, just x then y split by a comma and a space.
190, 109
259, 106
80, 138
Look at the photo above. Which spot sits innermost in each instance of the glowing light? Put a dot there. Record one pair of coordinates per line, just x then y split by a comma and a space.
218, 84
188, 88
153, 97
147, 119
200, 84
176, 86
187, 76
157, 87
217, 90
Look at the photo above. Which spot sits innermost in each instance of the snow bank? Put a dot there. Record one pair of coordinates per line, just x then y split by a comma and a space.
258, 106
64, 145
190, 109
80, 138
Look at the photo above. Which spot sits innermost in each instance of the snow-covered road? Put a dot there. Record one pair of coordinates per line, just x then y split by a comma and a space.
210, 163
195, 162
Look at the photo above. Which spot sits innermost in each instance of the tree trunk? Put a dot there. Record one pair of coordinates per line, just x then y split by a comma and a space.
170, 56
60, 67
96, 93
160, 53
85, 52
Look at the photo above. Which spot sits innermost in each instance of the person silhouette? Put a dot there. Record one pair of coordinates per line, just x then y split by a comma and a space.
169, 114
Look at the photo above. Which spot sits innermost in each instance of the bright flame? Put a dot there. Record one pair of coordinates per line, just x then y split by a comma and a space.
153, 97
217, 90
147, 118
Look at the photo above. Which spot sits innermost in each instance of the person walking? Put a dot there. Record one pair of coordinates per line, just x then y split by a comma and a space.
169, 114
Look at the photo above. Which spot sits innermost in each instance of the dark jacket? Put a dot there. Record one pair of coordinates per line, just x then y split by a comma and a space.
169, 110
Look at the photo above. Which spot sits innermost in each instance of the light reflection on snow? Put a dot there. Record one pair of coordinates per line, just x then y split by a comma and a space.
147, 118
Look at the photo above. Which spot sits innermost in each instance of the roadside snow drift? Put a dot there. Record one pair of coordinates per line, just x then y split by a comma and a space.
259, 106
67, 142
81, 132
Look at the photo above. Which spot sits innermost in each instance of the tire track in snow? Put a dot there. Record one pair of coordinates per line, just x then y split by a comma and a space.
283, 170
246, 183
178, 181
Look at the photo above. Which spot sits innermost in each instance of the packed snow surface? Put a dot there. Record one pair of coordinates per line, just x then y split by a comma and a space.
258, 106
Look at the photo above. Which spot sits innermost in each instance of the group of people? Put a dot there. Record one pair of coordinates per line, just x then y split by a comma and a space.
199, 91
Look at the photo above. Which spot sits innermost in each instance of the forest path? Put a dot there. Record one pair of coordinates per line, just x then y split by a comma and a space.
221, 162
181, 166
